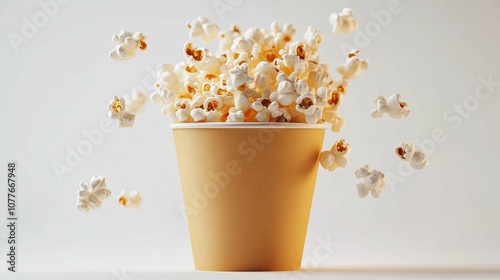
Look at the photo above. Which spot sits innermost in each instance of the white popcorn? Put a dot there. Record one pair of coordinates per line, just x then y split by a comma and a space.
336, 156
127, 120
407, 152
252, 68
343, 22
419, 160
238, 78
202, 29
313, 39
118, 111
116, 108
393, 106
135, 101
129, 199
242, 102
261, 106
306, 104
90, 196
264, 75
235, 115
127, 43
282, 35
374, 182
352, 67
227, 38
182, 110
198, 115
213, 116
285, 93
242, 44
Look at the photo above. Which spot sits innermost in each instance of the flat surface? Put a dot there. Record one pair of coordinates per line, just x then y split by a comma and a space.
354, 273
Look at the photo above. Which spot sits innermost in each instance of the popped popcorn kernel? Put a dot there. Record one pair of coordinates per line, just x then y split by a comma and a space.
118, 111
202, 29
129, 199
127, 43
393, 106
374, 182
343, 22
336, 156
352, 67
407, 152
90, 196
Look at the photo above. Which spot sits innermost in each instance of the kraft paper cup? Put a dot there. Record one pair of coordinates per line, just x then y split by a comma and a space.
248, 189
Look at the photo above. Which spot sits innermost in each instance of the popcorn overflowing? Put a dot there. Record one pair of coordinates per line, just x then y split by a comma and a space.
118, 111
407, 152
127, 43
393, 106
260, 75
129, 199
343, 22
336, 156
353, 66
374, 182
90, 196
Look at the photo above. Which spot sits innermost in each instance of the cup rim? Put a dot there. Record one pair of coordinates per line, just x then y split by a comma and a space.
247, 125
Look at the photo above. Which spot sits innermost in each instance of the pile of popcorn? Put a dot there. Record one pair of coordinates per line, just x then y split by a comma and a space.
257, 75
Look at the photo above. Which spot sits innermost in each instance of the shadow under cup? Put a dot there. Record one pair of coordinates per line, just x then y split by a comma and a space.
248, 190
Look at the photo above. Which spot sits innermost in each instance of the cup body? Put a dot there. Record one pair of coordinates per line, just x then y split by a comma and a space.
248, 190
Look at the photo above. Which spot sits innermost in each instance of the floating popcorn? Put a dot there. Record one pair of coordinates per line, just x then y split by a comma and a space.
118, 111
352, 67
393, 106
374, 182
343, 22
129, 199
336, 156
90, 196
407, 152
127, 43
202, 29
135, 101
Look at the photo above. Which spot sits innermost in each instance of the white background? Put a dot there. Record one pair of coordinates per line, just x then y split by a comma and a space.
59, 82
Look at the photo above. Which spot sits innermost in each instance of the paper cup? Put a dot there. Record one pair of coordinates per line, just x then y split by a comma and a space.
248, 190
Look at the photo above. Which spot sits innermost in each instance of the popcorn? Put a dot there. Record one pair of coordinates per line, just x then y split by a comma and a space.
238, 78
235, 115
313, 39
336, 156
202, 29
352, 66
374, 182
90, 197
127, 43
118, 111
407, 152
343, 22
135, 101
129, 199
265, 75
257, 75
264, 108
285, 94
393, 106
